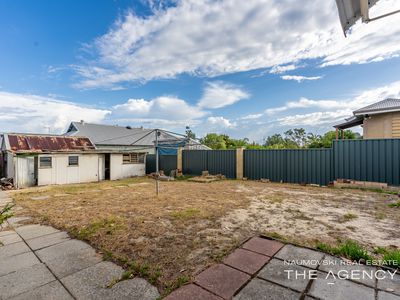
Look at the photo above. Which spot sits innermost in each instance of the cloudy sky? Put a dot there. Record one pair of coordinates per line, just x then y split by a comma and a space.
246, 68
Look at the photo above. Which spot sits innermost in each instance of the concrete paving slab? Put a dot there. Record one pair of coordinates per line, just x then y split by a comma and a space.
18, 221
13, 249
68, 257
17, 262
287, 275
6, 232
302, 256
390, 285
192, 292
246, 261
10, 238
262, 290
47, 240
358, 273
93, 282
222, 280
134, 289
24, 280
262, 246
387, 296
33, 231
338, 289
51, 291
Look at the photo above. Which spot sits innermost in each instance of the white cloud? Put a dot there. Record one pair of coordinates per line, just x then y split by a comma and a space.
220, 122
283, 69
212, 38
165, 107
251, 117
219, 94
299, 78
31, 113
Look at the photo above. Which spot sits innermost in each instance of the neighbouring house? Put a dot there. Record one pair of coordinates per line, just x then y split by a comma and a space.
117, 138
33, 159
380, 120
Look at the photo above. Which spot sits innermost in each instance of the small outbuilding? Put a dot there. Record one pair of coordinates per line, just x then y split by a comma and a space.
31, 159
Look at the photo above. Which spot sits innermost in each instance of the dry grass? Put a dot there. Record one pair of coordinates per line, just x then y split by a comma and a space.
169, 238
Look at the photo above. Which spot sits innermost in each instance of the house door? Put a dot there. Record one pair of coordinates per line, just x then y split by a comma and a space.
107, 170
26, 172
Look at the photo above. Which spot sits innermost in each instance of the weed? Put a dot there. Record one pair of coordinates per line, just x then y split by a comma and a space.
175, 284
107, 225
392, 258
395, 204
349, 249
5, 213
185, 214
183, 177
380, 216
347, 217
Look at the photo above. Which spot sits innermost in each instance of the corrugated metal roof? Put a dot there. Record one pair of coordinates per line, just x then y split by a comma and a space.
122, 136
47, 143
389, 104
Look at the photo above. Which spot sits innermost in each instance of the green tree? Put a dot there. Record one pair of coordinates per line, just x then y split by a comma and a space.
214, 141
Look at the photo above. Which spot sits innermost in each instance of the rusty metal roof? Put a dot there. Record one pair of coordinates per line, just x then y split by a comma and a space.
48, 143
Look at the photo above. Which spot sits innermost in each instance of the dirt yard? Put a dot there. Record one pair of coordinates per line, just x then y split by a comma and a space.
190, 225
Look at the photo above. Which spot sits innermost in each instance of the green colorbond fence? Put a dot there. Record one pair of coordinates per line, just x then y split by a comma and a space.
366, 160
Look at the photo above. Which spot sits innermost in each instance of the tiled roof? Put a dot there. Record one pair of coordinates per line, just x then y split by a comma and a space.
389, 104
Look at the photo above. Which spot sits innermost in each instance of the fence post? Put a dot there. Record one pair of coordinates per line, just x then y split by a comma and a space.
179, 164
239, 163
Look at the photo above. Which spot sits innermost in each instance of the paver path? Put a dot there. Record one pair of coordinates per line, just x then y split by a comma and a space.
41, 262
260, 269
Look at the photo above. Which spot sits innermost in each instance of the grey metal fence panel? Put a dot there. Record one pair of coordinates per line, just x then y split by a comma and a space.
222, 162
213, 161
166, 163
289, 165
194, 161
368, 160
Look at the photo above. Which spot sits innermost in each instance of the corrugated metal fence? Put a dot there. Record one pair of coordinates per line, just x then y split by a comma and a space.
167, 163
215, 161
294, 165
365, 160
368, 160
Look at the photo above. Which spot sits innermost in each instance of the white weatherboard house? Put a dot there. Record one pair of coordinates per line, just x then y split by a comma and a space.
32, 159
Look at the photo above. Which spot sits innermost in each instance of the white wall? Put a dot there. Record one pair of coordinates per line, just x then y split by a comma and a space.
120, 170
60, 173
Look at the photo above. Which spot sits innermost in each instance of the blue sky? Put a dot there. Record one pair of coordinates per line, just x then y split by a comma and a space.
246, 68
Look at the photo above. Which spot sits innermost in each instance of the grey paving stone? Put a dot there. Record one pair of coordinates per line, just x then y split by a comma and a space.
24, 280
35, 230
91, 283
13, 249
301, 256
358, 273
390, 285
17, 262
135, 289
51, 291
10, 238
387, 296
262, 290
338, 289
17, 221
279, 272
68, 257
47, 240
6, 232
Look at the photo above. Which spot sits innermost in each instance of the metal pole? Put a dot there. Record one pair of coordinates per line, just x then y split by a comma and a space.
157, 171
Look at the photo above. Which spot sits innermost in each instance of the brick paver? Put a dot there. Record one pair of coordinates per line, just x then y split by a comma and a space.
193, 292
246, 261
259, 289
222, 280
262, 246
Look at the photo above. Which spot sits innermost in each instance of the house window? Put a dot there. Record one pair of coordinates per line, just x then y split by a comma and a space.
73, 160
133, 158
45, 162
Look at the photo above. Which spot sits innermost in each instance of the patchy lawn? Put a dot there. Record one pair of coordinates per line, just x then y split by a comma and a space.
169, 238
